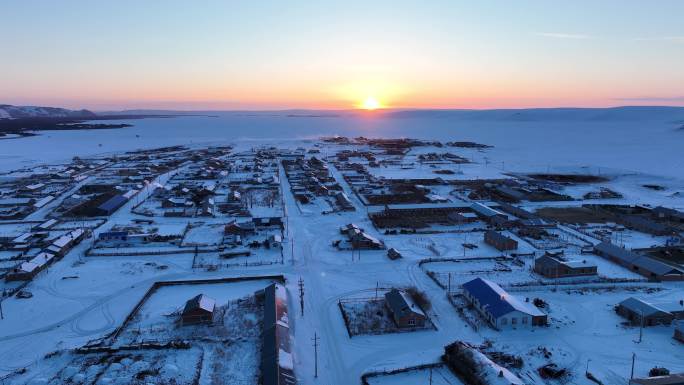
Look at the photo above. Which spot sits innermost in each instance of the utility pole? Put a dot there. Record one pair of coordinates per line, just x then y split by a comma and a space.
631, 376
641, 325
301, 295
2, 316
377, 284
430, 375
315, 345
449, 285
587, 370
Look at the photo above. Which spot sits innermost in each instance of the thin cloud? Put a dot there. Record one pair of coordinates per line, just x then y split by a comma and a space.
653, 99
674, 39
557, 35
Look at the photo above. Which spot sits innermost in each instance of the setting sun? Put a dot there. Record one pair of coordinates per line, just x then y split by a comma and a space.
370, 103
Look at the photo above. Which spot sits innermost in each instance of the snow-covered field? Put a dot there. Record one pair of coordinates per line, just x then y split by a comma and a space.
83, 298
533, 140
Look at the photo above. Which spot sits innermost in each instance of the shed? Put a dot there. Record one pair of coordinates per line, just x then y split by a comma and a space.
111, 205
500, 241
553, 267
198, 310
392, 253
644, 265
638, 311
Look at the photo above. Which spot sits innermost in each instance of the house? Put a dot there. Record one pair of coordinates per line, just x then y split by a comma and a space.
23, 272
268, 222
670, 379
276, 354
47, 225
404, 310
26, 271
640, 312
345, 230
198, 310
174, 202
111, 205
239, 228
207, 207
61, 246
651, 268
645, 225
679, 331
499, 308
392, 253
669, 214
553, 267
343, 202
123, 238
113, 236
43, 201
362, 240
500, 241
489, 215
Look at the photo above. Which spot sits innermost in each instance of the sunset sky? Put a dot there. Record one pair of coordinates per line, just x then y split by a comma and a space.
291, 54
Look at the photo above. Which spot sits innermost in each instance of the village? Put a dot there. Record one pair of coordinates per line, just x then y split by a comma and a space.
337, 261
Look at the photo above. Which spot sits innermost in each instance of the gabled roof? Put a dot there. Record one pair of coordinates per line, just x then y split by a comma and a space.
498, 236
616, 252
113, 203
496, 300
201, 302
640, 306
642, 262
656, 267
485, 211
401, 304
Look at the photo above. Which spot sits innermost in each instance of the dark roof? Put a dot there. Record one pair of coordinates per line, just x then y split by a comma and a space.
201, 302
276, 353
550, 260
642, 262
498, 237
615, 251
645, 224
640, 306
486, 211
669, 212
113, 203
496, 300
400, 304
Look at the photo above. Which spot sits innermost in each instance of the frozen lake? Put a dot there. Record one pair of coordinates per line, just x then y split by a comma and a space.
648, 144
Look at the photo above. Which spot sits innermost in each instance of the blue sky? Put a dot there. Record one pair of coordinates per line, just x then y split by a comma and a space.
292, 54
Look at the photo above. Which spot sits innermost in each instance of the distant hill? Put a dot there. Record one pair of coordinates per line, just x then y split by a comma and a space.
627, 113
18, 112
635, 113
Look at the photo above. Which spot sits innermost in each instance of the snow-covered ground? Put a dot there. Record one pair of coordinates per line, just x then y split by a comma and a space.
83, 298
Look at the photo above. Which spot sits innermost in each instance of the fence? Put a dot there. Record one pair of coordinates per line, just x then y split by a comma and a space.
155, 286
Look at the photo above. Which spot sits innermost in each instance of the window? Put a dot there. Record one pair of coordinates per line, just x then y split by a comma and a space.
504, 321
514, 320
524, 320
412, 322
